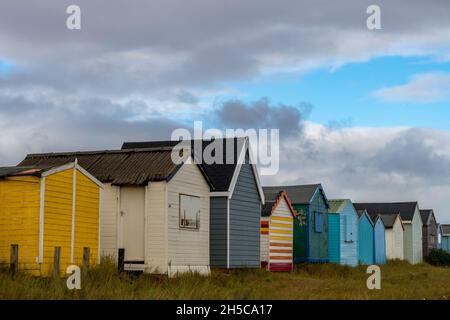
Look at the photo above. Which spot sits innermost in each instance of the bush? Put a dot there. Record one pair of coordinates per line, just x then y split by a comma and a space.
438, 257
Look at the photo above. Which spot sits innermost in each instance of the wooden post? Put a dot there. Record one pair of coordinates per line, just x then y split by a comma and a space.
86, 254
121, 260
57, 262
14, 259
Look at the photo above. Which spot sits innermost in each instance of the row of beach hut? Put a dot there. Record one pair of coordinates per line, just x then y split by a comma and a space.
146, 212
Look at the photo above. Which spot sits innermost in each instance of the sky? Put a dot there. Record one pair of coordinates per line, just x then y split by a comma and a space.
364, 112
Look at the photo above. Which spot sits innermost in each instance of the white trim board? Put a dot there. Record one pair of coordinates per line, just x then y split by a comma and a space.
240, 162
41, 221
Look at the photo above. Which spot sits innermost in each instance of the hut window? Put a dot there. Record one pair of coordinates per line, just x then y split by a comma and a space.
189, 212
318, 222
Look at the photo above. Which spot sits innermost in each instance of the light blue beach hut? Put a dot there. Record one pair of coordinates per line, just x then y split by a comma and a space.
379, 239
365, 238
343, 232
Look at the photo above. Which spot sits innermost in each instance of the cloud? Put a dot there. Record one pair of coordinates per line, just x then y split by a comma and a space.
370, 164
235, 114
422, 88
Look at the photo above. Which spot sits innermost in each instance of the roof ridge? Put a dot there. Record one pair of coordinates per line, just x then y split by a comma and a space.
99, 152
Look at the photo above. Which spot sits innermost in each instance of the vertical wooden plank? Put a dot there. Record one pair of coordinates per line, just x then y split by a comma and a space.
86, 256
14, 258
57, 262
121, 259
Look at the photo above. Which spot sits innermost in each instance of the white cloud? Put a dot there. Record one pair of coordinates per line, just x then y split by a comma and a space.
371, 164
422, 88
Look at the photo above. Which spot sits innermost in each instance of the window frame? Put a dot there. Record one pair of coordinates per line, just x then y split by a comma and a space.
197, 220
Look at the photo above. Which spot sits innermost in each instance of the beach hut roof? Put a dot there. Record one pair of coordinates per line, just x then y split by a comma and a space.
426, 215
389, 219
338, 205
445, 229
270, 206
221, 176
119, 167
299, 194
405, 209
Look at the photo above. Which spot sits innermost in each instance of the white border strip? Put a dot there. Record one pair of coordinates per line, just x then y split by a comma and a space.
74, 202
41, 221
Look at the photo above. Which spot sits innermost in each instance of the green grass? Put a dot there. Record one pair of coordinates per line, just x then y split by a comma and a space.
399, 280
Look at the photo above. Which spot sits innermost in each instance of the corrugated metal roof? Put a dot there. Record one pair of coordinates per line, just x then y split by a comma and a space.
219, 174
406, 209
299, 194
120, 167
10, 171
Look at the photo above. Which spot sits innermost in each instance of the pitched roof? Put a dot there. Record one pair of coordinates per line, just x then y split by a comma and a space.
337, 205
405, 209
426, 214
271, 205
389, 219
22, 170
299, 194
445, 229
220, 175
120, 167
361, 212
266, 209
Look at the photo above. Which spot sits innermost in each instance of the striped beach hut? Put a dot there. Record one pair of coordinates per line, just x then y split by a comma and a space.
365, 238
49, 217
343, 232
277, 218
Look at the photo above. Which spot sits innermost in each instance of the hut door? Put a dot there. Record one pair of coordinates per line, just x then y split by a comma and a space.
132, 222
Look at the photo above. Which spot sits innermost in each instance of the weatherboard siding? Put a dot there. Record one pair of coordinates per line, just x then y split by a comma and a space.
19, 221
379, 242
429, 236
349, 248
245, 209
108, 221
57, 219
188, 248
156, 223
218, 232
365, 237
412, 238
334, 238
86, 220
394, 241
281, 238
445, 243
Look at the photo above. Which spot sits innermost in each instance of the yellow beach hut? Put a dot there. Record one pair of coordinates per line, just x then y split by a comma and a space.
49, 216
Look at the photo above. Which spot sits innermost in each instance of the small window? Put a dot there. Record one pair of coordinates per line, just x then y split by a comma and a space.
189, 212
318, 222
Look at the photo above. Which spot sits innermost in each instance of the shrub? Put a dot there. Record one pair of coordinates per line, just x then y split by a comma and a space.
438, 257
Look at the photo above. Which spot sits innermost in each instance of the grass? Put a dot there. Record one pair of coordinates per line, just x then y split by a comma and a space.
399, 280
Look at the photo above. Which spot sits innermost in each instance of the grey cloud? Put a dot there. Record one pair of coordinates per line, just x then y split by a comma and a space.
371, 164
261, 114
410, 155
